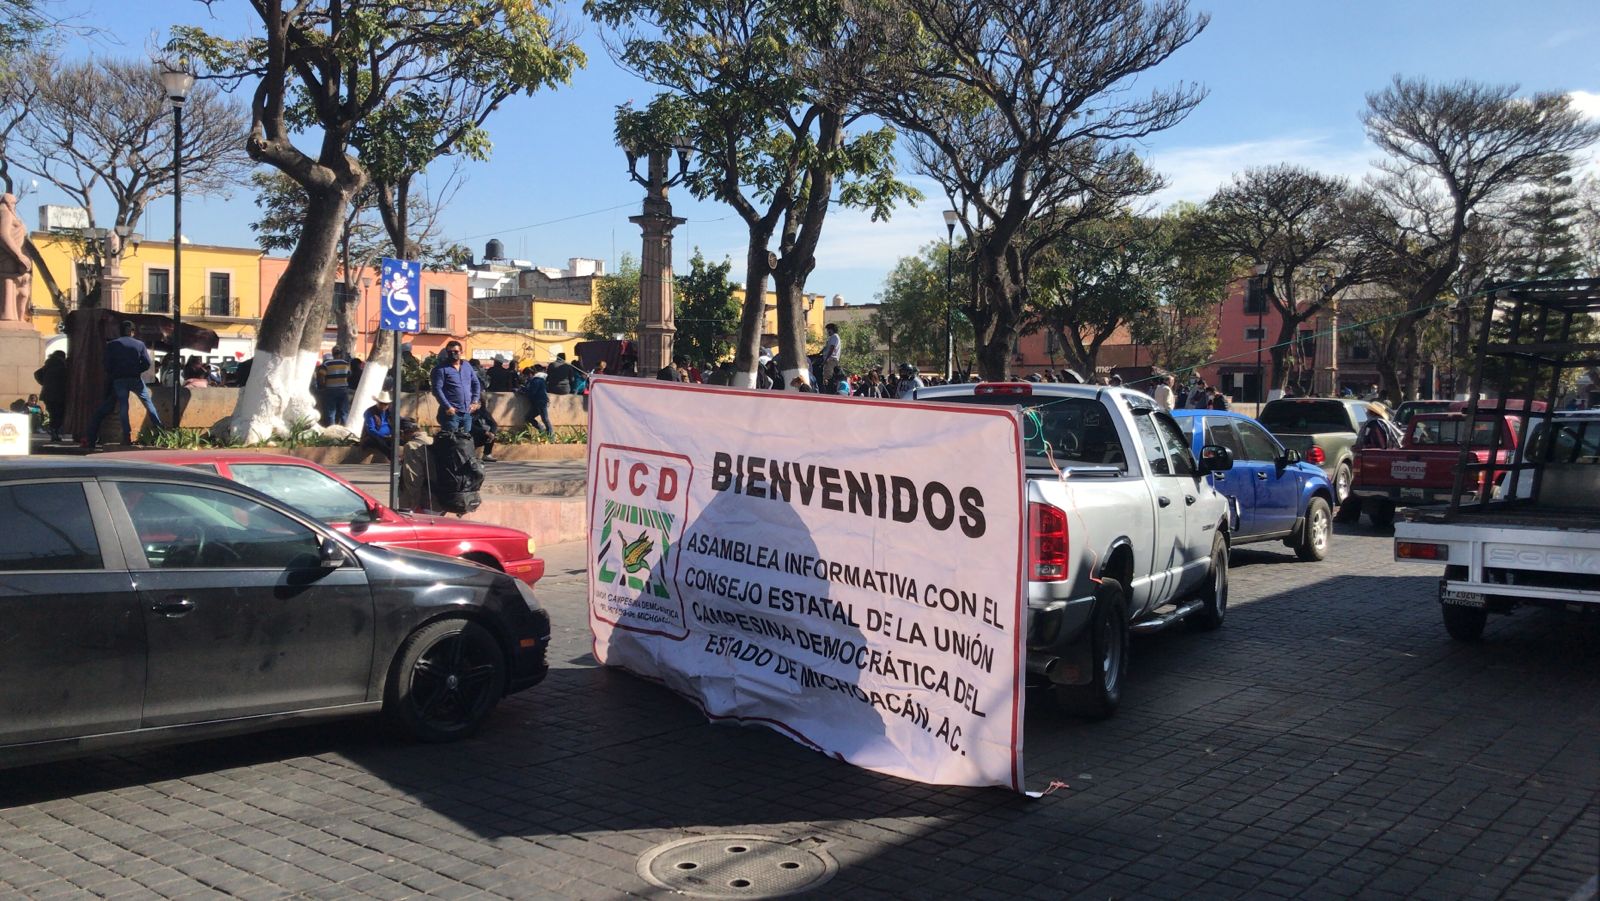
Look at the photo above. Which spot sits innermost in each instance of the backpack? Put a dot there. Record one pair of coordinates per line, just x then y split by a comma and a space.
456, 472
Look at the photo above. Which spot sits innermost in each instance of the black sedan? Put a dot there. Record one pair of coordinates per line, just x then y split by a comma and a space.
143, 603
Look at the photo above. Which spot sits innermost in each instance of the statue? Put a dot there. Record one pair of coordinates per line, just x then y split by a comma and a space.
16, 269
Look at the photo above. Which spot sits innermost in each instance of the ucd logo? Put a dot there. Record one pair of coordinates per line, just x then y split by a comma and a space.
641, 500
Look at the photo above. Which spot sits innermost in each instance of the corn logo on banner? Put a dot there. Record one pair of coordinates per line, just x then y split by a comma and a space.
845, 571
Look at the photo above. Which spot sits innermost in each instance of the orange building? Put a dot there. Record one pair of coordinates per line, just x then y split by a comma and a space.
444, 307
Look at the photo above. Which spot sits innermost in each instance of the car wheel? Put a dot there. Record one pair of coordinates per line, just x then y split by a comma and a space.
446, 679
1342, 479
1314, 537
1108, 635
1381, 515
1214, 598
1463, 623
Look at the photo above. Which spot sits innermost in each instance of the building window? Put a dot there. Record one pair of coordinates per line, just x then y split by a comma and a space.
158, 291
1358, 350
219, 294
1052, 343
1255, 295
555, 325
438, 314
1255, 334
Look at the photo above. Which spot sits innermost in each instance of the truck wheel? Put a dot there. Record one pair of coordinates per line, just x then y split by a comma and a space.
1314, 537
1349, 510
1108, 634
1342, 479
1214, 597
1380, 514
1463, 623
446, 679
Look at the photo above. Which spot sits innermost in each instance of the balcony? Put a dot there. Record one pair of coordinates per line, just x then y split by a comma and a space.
216, 307
158, 304
445, 325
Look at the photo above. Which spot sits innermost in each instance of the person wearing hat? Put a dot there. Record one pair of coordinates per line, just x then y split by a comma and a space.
501, 378
377, 425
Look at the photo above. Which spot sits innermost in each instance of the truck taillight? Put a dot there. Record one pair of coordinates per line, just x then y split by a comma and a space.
1047, 543
1419, 550
1315, 455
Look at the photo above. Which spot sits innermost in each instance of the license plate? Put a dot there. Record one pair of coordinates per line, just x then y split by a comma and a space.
1411, 494
1408, 469
1460, 598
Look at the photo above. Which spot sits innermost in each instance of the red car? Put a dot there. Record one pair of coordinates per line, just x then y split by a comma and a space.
348, 509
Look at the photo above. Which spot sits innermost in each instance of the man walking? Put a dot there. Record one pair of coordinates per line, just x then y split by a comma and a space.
456, 388
538, 394
127, 360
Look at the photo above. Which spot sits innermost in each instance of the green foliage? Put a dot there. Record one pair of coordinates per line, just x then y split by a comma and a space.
178, 439
528, 433
910, 318
616, 307
22, 24
707, 313
859, 347
1545, 241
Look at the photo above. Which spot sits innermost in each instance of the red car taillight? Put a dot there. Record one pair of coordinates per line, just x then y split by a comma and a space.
1315, 455
1047, 543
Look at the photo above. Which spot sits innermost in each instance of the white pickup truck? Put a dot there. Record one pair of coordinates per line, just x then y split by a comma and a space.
1124, 532
1538, 545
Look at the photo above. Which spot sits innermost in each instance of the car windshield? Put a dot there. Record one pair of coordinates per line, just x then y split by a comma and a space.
320, 495
1306, 417
1070, 430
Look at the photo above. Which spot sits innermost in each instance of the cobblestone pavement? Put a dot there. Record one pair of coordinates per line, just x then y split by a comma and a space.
1329, 741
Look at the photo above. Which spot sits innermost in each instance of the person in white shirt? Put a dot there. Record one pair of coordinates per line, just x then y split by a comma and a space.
1163, 393
830, 352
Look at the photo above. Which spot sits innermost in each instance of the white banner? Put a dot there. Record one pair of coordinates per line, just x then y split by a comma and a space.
846, 571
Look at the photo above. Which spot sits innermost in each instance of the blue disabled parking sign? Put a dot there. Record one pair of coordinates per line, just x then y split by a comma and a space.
401, 285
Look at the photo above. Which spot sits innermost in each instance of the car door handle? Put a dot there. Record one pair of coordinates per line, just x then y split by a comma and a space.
1220, 476
1261, 476
172, 606
1164, 501
1188, 499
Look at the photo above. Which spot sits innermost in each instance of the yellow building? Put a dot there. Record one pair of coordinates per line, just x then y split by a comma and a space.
221, 287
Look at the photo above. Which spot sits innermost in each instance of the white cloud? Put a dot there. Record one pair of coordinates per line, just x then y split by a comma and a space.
1585, 102
1195, 173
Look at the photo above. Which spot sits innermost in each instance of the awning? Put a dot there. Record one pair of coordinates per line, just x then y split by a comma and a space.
155, 331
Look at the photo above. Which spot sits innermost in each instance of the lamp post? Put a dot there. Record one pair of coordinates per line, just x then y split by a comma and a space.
178, 84
1257, 286
656, 222
950, 218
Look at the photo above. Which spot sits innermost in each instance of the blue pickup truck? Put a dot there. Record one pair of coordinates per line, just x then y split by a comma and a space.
1272, 493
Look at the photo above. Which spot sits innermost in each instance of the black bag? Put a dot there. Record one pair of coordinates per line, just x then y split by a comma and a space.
456, 475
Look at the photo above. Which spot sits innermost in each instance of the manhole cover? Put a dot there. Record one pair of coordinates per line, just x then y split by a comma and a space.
735, 866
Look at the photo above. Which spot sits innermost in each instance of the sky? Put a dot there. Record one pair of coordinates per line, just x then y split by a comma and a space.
1286, 82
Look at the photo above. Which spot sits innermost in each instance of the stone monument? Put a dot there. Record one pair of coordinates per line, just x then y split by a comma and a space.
21, 348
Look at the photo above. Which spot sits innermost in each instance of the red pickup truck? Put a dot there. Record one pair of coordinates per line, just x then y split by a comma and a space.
1422, 470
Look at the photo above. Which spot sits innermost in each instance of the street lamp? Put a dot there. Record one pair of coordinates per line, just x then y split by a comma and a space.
950, 218
1257, 286
656, 222
178, 83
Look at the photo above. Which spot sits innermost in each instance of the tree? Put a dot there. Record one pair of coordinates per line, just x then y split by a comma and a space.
1096, 279
1587, 224
1452, 150
1543, 220
1022, 114
616, 306
707, 311
323, 74
22, 24
1297, 231
910, 318
859, 346
764, 92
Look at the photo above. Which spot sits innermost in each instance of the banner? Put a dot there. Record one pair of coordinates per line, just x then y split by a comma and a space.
845, 571
399, 287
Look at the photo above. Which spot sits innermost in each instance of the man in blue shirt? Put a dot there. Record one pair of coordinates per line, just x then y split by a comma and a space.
127, 360
456, 388
377, 425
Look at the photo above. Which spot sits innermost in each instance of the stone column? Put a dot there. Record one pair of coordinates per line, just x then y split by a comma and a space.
656, 329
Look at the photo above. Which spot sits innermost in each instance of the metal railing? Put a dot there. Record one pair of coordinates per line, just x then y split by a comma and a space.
215, 307
447, 325
152, 303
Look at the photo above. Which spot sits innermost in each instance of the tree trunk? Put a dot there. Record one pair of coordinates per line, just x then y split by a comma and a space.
747, 349
279, 389
792, 328
999, 329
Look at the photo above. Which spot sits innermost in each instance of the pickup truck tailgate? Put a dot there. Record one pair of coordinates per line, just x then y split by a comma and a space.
1408, 468
1510, 560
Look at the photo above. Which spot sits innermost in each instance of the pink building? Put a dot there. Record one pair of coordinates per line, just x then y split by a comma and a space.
444, 306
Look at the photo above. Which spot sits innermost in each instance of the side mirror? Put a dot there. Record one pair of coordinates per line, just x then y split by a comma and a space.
332, 554
1290, 457
1215, 458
